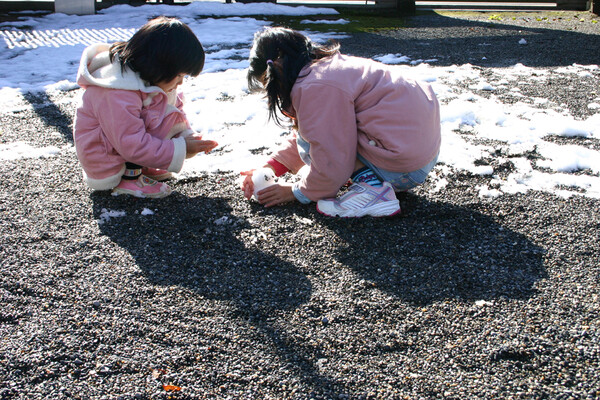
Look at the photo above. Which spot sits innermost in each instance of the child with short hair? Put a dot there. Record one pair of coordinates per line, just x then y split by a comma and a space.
355, 119
130, 129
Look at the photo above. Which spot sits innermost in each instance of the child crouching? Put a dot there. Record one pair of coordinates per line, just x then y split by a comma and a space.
355, 119
130, 129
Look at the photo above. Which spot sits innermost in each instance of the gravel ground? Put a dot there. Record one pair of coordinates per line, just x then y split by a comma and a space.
456, 298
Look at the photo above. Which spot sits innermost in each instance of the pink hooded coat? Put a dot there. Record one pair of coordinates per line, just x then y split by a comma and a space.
122, 119
349, 105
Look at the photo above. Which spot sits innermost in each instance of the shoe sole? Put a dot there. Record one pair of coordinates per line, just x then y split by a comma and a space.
139, 194
384, 210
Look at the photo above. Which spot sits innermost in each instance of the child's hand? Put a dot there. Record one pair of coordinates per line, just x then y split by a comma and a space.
277, 194
247, 185
273, 195
255, 180
195, 145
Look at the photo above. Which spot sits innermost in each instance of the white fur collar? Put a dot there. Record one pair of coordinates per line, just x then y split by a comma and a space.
96, 69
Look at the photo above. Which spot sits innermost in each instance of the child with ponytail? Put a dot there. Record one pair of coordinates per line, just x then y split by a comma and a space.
354, 119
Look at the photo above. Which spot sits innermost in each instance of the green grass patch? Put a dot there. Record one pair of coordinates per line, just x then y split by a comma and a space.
358, 21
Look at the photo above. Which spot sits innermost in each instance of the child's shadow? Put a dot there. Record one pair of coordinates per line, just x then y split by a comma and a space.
191, 242
438, 251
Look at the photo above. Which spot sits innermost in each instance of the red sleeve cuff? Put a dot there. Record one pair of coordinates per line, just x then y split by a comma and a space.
279, 168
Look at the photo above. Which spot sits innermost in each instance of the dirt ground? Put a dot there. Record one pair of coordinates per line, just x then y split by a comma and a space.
204, 295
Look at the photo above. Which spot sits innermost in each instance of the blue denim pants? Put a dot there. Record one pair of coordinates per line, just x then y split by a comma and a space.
402, 181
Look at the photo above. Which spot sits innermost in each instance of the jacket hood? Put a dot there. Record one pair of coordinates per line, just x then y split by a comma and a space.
95, 69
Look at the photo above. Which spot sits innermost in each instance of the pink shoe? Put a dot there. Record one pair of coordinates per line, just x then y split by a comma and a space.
156, 174
142, 187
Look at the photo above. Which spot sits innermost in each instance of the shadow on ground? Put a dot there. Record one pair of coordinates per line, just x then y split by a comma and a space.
184, 243
438, 251
51, 114
434, 251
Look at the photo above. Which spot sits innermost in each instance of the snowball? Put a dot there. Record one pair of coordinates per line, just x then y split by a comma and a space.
262, 178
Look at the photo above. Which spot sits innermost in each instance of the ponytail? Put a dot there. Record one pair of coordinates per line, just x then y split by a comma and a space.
276, 59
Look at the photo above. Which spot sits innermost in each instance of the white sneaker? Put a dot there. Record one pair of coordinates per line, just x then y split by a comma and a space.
360, 200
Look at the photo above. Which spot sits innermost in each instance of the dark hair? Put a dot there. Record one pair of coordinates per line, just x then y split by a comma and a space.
293, 51
160, 50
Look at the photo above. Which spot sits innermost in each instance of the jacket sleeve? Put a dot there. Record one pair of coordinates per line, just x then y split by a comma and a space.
119, 116
288, 155
327, 121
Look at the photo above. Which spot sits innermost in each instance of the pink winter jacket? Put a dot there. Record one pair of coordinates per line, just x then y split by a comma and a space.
122, 119
349, 105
